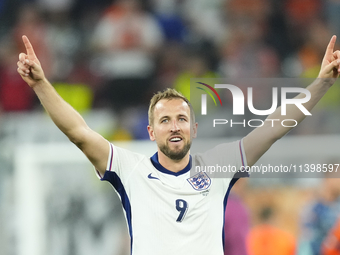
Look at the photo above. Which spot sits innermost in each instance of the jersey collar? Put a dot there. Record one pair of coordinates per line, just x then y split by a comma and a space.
159, 167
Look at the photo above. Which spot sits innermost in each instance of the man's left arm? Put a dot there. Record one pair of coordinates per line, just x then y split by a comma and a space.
257, 142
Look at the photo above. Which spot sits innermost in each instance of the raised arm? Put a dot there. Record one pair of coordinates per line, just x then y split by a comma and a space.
257, 142
68, 120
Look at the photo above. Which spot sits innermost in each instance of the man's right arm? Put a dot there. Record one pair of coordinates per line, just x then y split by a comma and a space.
68, 120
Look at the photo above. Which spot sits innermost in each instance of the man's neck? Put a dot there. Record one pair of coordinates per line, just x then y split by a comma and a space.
173, 165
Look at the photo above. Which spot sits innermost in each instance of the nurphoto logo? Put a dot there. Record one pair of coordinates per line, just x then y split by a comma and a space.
240, 100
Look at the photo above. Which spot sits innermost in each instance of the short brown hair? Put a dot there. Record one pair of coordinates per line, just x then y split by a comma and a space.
169, 94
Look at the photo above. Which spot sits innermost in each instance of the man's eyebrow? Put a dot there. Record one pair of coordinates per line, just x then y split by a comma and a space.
164, 117
183, 115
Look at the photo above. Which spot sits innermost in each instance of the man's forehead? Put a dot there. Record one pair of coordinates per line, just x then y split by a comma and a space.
172, 105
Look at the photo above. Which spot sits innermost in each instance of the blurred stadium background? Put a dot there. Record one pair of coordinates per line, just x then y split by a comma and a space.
106, 58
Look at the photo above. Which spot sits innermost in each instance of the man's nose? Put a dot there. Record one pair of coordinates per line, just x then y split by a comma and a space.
174, 126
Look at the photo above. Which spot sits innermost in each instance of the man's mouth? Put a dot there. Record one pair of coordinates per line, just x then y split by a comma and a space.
175, 139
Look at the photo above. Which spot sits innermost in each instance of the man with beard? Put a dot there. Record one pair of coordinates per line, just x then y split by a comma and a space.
168, 211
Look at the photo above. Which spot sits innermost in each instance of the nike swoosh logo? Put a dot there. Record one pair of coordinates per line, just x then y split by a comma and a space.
151, 177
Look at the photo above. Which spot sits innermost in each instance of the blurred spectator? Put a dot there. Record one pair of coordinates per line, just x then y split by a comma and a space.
299, 15
255, 9
320, 215
2, 4
267, 239
237, 221
332, 15
79, 96
244, 50
331, 245
133, 127
121, 134
9, 10
305, 57
86, 10
127, 39
169, 65
245, 54
15, 94
31, 23
204, 19
312, 50
277, 29
81, 72
66, 43
302, 13
194, 66
168, 13
55, 6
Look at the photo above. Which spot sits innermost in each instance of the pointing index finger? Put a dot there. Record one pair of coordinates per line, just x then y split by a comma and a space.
28, 46
330, 47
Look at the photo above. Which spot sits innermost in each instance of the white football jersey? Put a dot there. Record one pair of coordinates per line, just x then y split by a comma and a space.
173, 213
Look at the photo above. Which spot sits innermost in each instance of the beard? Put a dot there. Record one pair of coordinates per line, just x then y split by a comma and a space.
175, 154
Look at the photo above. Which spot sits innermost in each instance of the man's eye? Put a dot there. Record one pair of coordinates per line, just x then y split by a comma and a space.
182, 119
164, 121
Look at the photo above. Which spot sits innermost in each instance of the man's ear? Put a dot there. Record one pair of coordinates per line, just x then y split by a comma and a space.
194, 130
151, 133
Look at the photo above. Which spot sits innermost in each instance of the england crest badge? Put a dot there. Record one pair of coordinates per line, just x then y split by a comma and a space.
200, 181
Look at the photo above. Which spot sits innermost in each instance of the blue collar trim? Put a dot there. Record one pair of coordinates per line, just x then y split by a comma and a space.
159, 167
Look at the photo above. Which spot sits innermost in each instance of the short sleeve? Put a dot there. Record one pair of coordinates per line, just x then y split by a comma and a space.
121, 162
226, 160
